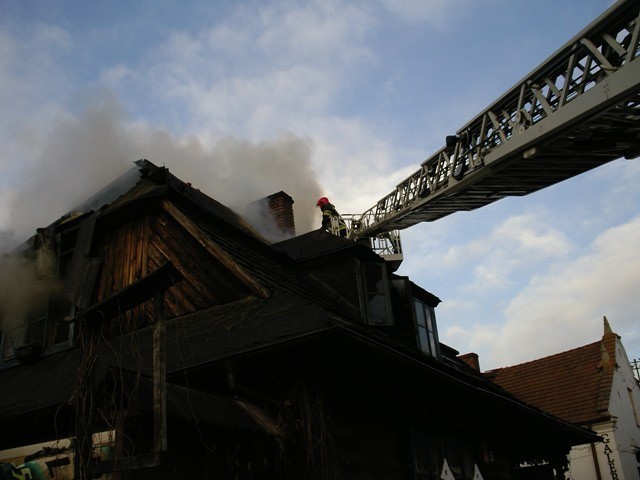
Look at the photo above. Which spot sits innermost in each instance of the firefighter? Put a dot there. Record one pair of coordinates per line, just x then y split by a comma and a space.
329, 212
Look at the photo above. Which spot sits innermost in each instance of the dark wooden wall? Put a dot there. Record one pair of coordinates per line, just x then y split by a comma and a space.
138, 247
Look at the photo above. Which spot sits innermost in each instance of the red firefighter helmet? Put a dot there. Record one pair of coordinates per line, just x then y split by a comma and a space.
322, 201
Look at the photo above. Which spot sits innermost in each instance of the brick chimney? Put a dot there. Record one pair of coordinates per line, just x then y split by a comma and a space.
471, 359
281, 206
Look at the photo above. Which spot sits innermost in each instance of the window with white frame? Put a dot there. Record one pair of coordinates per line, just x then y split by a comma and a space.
427, 335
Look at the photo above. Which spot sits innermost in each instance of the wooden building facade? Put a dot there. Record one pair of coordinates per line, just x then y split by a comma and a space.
203, 351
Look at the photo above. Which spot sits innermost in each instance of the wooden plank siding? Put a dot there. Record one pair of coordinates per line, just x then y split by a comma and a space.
207, 282
124, 254
215, 250
138, 247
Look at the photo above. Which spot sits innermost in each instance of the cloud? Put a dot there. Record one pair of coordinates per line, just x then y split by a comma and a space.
116, 75
255, 73
33, 83
521, 241
495, 254
563, 307
476, 338
436, 13
279, 70
273, 82
283, 69
325, 32
30, 66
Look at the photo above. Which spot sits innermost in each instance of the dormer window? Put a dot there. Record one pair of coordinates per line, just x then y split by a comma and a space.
375, 299
427, 334
415, 323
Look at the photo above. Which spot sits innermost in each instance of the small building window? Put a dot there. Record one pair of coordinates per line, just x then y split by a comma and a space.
34, 313
427, 335
375, 299
36, 330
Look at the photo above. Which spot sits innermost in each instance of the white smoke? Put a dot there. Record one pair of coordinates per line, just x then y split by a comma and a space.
261, 218
83, 153
26, 282
239, 172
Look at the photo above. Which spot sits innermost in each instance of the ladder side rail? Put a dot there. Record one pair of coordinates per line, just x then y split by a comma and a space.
385, 244
607, 46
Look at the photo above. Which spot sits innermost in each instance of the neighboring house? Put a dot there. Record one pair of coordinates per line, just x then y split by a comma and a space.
159, 319
592, 386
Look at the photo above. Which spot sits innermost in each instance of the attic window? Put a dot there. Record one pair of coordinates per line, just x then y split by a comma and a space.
375, 301
427, 335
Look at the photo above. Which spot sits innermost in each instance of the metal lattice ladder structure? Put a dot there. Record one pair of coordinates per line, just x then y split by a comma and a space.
386, 244
576, 111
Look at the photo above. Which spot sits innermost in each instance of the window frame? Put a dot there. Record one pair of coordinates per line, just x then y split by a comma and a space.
45, 342
34, 329
380, 290
426, 327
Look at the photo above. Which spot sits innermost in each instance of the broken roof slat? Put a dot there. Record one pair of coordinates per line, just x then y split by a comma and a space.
135, 293
214, 249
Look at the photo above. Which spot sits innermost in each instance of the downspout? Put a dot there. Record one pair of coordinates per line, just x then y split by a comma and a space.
596, 463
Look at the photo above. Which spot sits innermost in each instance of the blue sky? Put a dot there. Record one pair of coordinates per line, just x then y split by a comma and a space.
336, 98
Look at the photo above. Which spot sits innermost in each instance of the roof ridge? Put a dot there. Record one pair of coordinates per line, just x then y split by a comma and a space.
536, 360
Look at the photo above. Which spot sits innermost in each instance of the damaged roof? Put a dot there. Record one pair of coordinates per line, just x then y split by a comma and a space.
280, 311
146, 181
318, 243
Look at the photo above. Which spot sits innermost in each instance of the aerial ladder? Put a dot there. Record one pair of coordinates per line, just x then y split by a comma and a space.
578, 110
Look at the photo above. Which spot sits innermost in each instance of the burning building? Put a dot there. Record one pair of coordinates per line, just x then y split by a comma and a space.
198, 348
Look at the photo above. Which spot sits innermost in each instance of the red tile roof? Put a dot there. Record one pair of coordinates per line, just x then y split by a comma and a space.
574, 385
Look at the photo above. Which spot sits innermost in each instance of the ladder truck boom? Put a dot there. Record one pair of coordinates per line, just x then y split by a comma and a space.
576, 111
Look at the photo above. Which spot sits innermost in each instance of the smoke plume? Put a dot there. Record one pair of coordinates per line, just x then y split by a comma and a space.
83, 153
26, 282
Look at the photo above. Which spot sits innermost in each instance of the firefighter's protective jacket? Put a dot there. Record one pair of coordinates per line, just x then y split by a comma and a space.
329, 211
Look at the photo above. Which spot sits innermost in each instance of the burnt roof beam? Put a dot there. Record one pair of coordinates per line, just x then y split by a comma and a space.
134, 294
